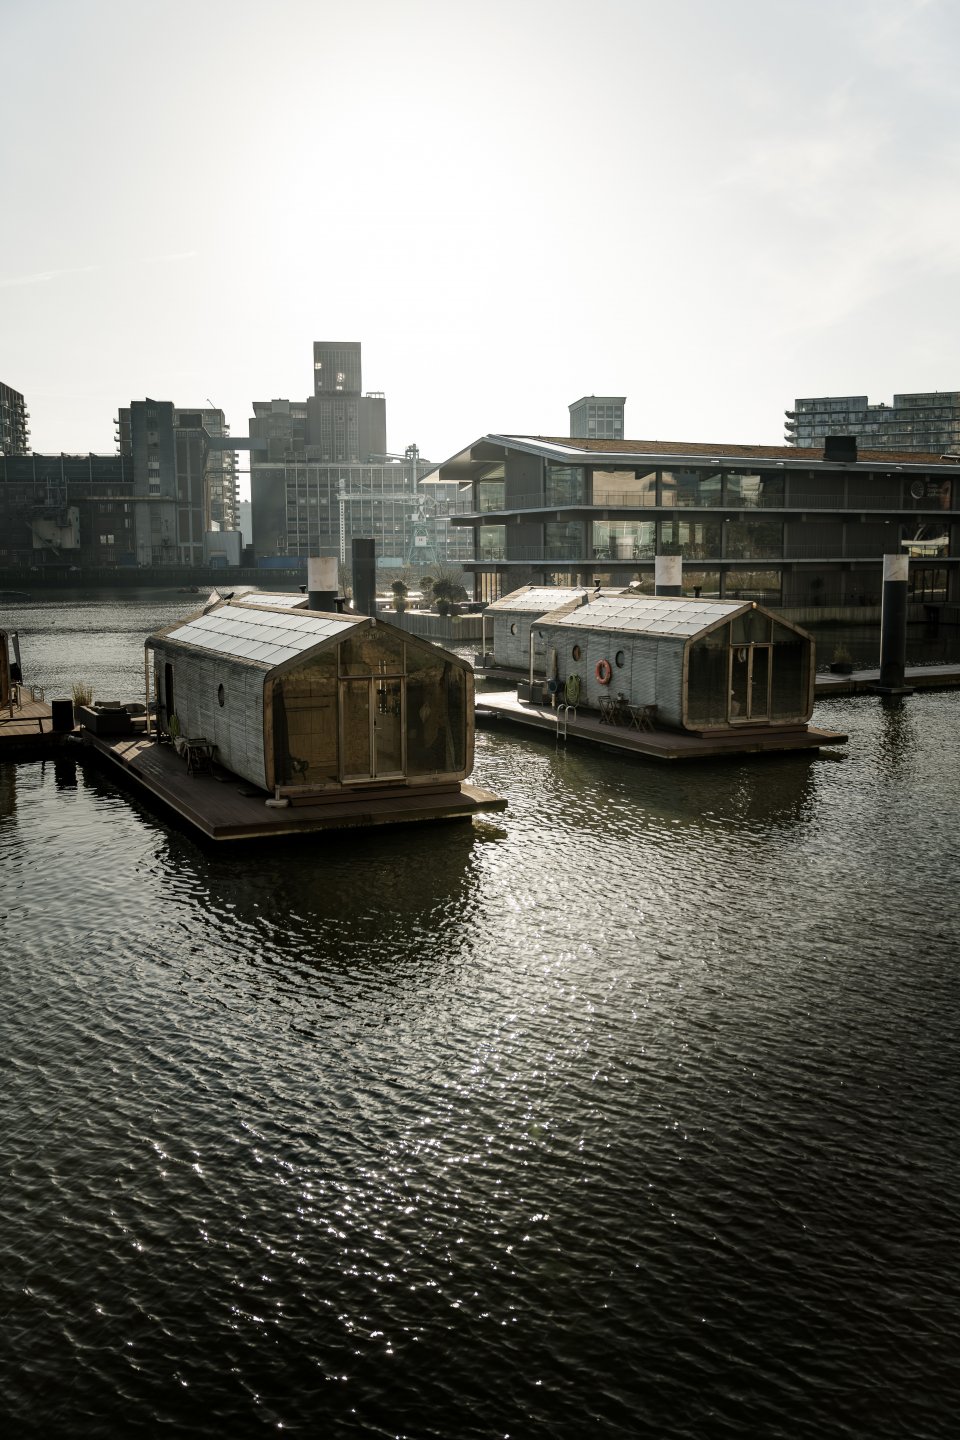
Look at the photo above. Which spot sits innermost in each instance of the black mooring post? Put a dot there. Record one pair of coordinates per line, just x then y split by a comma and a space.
893, 626
321, 583
668, 575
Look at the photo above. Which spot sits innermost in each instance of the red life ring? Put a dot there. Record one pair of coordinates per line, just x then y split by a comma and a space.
604, 672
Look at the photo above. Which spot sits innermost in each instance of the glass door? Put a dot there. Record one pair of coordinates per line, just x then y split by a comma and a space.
387, 728
760, 656
749, 683
739, 684
371, 721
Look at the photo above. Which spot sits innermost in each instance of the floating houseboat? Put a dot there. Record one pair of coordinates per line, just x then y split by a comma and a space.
723, 674
269, 719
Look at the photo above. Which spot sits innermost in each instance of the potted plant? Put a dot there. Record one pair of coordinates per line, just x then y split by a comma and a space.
399, 589
842, 662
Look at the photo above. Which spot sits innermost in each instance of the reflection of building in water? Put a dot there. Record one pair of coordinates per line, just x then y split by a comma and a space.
8, 790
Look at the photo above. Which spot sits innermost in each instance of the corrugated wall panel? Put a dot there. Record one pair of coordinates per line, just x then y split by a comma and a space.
236, 727
670, 681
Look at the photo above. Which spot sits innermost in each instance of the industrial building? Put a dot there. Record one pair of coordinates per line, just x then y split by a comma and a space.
184, 479
66, 510
322, 476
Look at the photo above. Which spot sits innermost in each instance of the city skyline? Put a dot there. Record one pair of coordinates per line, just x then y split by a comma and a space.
710, 210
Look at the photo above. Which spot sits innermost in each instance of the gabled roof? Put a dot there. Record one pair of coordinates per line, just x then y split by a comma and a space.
568, 446
535, 599
259, 636
667, 615
271, 600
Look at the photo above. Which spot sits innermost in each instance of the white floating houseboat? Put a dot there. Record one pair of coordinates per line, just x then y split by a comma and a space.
282, 720
302, 702
668, 675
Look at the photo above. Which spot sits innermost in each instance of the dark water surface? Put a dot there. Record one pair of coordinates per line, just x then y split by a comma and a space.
631, 1112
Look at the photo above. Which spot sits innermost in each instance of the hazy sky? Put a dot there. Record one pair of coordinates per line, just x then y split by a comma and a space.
709, 206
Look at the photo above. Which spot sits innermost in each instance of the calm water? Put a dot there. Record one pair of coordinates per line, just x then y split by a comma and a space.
631, 1112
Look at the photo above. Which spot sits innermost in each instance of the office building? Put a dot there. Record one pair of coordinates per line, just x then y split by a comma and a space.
14, 415
927, 423
597, 417
779, 525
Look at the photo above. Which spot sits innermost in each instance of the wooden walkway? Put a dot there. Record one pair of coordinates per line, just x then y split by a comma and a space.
503, 706
27, 731
864, 682
221, 806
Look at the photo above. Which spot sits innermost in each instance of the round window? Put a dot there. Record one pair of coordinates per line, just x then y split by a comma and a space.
513, 628
220, 694
620, 658
576, 652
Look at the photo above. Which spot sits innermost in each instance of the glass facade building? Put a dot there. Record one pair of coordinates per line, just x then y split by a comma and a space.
768, 523
924, 423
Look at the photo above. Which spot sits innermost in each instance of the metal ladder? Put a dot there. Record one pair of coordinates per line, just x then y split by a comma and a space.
563, 720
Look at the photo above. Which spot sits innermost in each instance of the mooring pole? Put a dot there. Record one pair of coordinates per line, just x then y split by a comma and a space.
893, 624
321, 582
668, 575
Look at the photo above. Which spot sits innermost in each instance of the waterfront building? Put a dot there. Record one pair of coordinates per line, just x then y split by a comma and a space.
60, 511
597, 417
926, 423
184, 472
304, 703
322, 476
14, 432
684, 663
776, 524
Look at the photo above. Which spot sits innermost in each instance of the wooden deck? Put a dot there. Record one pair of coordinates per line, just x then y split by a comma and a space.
221, 806
864, 682
27, 731
504, 707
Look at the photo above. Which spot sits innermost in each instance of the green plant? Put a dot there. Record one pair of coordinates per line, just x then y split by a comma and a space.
841, 656
82, 692
447, 587
399, 589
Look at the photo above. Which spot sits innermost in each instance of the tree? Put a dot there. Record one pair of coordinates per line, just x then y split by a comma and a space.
399, 589
448, 588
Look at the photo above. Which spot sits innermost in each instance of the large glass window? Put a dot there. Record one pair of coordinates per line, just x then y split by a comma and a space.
791, 675
305, 724
491, 542
491, 493
760, 585
371, 652
436, 715
925, 540
624, 487
753, 540
563, 540
564, 485
690, 487
928, 583
707, 678
624, 540
750, 491
693, 539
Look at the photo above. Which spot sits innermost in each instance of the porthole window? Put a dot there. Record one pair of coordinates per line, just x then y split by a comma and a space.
513, 628
221, 695
576, 652
620, 659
